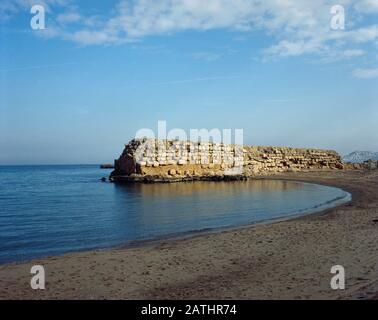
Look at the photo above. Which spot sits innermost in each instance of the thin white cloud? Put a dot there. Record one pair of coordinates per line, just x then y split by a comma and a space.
69, 17
200, 79
350, 53
282, 100
11, 7
207, 56
362, 35
87, 37
366, 73
22, 68
367, 6
287, 48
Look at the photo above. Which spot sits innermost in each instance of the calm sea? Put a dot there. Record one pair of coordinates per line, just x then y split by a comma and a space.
48, 210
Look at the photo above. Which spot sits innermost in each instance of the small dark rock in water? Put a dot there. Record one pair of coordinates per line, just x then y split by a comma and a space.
103, 179
375, 220
107, 166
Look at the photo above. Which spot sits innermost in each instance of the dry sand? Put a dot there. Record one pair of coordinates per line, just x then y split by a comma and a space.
282, 260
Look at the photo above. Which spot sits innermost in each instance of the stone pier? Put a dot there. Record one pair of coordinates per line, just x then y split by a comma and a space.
151, 160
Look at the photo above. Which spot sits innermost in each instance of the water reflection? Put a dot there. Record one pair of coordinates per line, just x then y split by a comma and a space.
52, 210
157, 209
164, 190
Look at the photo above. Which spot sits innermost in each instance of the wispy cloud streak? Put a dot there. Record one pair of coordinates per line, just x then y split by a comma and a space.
24, 68
200, 79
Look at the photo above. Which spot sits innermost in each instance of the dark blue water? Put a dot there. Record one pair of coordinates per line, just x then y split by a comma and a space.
48, 210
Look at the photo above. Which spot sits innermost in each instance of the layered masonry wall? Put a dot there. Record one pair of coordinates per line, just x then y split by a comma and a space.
150, 159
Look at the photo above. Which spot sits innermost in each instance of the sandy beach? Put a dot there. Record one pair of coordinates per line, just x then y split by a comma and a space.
282, 260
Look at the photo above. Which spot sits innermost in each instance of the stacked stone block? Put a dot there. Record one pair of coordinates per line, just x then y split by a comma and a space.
165, 157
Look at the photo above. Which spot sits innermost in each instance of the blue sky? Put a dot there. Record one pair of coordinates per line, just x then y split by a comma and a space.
78, 90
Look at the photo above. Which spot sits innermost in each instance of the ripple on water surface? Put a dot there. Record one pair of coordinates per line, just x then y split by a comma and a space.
48, 210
